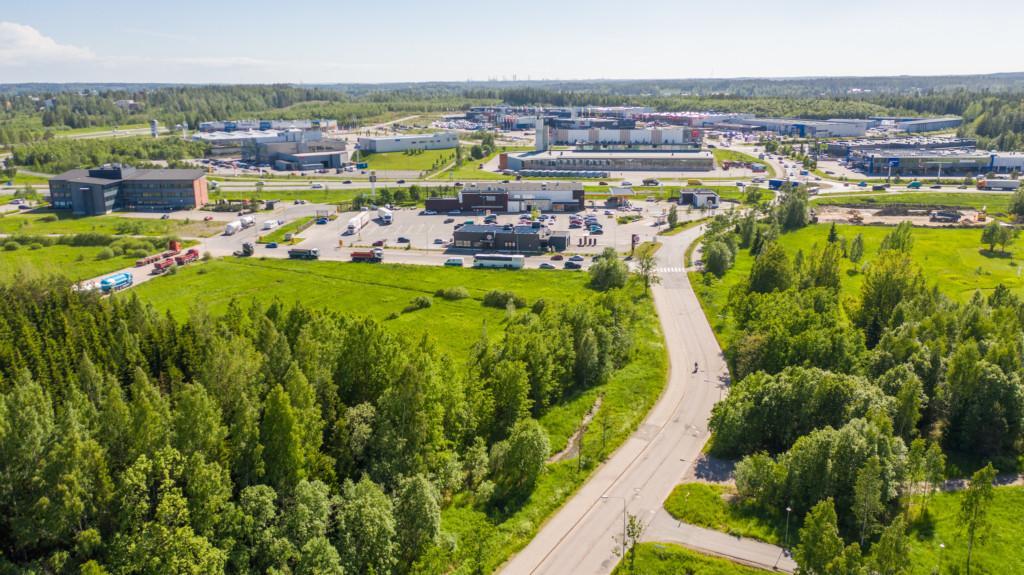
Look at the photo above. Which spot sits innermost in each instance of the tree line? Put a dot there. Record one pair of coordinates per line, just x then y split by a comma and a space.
272, 438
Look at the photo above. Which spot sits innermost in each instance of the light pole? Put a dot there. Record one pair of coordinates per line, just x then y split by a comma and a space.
785, 540
607, 497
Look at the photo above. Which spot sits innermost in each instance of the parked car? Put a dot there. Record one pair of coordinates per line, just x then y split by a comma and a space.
347, 182
596, 230
400, 182
208, 219
429, 213
438, 241
546, 266
453, 262
378, 244
272, 245
936, 187
317, 187
449, 220
576, 258
557, 258
451, 213
573, 266
403, 240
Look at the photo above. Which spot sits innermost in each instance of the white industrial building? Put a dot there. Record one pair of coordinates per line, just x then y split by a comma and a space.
677, 138
436, 141
252, 125
808, 128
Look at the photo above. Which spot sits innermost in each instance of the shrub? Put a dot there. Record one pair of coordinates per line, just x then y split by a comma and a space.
11, 246
500, 299
49, 218
418, 302
105, 254
35, 246
138, 253
452, 293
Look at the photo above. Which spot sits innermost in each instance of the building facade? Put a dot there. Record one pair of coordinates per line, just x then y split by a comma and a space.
509, 238
611, 161
436, 141
516, 197
115, 187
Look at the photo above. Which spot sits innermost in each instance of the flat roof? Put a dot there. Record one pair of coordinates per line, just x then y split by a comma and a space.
606, 155
493, 229
156, 174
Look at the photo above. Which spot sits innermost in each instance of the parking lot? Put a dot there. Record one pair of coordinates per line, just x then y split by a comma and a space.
429, 236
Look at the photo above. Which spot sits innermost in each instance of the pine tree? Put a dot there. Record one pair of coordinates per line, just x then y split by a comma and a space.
281, 435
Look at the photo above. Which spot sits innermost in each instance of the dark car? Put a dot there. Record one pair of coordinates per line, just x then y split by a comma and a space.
400, 182
347, 182
546, 266
936, 187
573, 266
378, 244
576, 258
449, 220
272, 245
403, 240
557, 257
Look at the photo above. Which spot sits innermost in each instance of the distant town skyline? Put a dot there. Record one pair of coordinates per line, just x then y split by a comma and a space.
317, 41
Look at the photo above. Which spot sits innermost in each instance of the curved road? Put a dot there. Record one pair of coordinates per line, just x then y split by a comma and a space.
582, 537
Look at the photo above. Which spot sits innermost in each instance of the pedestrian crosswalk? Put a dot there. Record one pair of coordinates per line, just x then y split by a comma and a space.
671, 270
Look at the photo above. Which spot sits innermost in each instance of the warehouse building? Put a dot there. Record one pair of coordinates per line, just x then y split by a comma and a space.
699, 198
609, 161
533, 238
677, 139
842, 148
929, 124
514, 197
264, 125
117, 187
911, 162
808, 128
436, 141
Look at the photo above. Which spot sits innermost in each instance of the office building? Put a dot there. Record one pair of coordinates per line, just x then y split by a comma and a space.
511, 238
436, 141
117, 187
609, 161
514, 197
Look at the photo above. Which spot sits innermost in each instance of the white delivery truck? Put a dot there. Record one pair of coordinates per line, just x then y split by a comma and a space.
269, 224
232, 228
247, 221
385, 216
357, 222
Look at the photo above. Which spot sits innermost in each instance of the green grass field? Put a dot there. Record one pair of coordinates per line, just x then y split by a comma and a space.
372, 290
672, 559
996, 203
725, 155
21, 179
469, 169
278, 234
953, 259
333, 194
74, 263
401, 161
34, 223
712, 506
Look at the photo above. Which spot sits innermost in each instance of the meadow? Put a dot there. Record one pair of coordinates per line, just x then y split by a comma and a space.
995, 203
47, 222
671, 559
76, 263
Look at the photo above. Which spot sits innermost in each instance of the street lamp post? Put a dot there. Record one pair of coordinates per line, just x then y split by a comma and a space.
785, 540
607, 497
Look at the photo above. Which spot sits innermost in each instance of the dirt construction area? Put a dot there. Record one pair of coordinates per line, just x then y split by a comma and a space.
920, 217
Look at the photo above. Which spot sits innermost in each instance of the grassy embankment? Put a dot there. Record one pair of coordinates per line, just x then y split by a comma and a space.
671, 559
76, 263
419, 162
725, 155
278, 234
382, 291
45, 222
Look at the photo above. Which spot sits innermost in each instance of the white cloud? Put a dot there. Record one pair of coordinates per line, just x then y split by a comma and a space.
23, 45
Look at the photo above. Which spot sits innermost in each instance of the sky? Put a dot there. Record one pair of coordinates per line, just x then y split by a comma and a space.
322, 41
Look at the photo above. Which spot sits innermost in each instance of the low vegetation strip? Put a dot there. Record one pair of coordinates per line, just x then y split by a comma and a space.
672, 559
716, 507
294, 228
46, 222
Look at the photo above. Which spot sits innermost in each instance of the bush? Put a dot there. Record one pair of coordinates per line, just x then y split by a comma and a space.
49, 218
11, 246
500, 299
35, 246
105, 254
418, 302
452, 293
138, 253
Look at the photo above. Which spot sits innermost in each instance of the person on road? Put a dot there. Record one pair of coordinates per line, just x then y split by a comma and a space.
695, 367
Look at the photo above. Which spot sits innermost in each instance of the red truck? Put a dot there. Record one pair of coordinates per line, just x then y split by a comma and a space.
148, 260
187, 257
162, 266
373, 256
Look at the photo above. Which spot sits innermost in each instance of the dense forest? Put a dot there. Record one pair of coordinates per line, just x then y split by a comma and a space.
59, 154
271, 439
846, 409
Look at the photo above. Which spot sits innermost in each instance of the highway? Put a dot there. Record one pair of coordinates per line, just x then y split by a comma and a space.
581, 538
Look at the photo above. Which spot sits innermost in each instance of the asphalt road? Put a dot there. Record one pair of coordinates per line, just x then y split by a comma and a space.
581, 538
